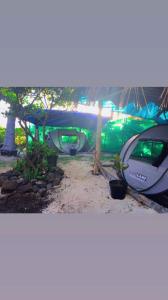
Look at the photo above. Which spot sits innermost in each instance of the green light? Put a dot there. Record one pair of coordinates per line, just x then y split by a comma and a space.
69, 139
119, 125
114, 133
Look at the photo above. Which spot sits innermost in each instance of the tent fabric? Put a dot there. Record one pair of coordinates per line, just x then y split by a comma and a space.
58, 118
66, 146
150, 111
114, 133
147, 103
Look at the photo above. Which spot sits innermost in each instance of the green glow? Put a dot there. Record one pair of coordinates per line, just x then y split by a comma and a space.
118, 125
147, 151
114, 133
69, 139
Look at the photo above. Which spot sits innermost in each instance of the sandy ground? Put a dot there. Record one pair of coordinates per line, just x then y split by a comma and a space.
6, 163
82, 192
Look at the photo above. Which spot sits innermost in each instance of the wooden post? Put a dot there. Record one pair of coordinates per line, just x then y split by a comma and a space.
96, 170
37, 133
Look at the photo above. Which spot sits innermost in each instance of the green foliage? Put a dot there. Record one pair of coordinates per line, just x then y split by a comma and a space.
20, 138
8, 94
41, 150
118, 165
2, 135
31, 99
27, 171
34, 102
35, 164
20, 165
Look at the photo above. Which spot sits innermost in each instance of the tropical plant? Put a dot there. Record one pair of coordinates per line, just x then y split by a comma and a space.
32, 102
117, 164
35, 164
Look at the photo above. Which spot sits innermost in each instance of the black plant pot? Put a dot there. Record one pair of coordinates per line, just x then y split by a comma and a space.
118, 189
73, 151
52, 160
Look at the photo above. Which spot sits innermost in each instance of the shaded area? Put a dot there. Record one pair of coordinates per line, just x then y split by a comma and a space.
114, 133
22, 196
161, 199
83, 192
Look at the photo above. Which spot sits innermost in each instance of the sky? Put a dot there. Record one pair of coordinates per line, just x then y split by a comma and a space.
3, 108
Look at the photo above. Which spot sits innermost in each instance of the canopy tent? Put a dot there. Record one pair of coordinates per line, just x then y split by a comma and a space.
58, 118
65, 140
147, 103
114, 133
146, 155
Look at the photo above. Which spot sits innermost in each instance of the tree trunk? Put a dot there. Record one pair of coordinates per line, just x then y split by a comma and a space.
96, 170
9, 147
37, 133
27, 142
44, 133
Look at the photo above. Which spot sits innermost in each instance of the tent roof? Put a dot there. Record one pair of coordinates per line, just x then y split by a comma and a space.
58, 118
147, 102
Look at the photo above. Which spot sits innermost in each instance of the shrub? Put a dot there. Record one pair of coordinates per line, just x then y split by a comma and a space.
118, 165
20, 138
35, 164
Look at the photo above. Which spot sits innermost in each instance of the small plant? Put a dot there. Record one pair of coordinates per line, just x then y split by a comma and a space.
41, 149
20, 165
118, 165
51, 151
29, 171
118, 187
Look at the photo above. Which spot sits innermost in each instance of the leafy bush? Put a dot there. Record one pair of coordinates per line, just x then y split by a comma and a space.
35, 164
41, 150
29, 171
20, 138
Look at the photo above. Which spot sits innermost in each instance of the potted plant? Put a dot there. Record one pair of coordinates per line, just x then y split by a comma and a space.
118, 187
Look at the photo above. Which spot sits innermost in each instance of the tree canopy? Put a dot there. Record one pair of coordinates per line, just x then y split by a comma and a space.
29, 100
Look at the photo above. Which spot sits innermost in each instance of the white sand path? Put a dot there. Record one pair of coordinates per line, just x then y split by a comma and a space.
82, 192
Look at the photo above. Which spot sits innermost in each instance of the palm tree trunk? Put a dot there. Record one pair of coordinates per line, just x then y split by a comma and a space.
9, 147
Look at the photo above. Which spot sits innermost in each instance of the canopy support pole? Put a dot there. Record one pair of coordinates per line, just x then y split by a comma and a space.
97, 154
